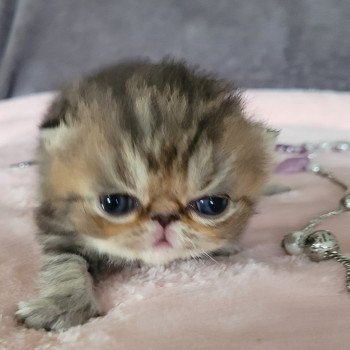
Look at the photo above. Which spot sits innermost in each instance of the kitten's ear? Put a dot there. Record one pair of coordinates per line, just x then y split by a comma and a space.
56, 113
270, 135
55, 137
55, 128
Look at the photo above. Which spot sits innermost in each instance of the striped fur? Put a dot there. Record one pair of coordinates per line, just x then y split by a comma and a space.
164, 133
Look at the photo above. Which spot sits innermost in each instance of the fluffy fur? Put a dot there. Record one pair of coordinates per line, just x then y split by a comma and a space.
163, 133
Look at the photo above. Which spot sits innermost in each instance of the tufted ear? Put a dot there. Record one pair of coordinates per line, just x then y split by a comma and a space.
270, 135
56, 137
57, 113
55, 128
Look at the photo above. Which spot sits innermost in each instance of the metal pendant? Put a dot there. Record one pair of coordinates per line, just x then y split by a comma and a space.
319, 243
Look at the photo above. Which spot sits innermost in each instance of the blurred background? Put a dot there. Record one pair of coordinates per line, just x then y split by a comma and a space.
255, 43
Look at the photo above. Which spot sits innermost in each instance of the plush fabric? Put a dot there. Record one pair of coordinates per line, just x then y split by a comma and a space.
258, 299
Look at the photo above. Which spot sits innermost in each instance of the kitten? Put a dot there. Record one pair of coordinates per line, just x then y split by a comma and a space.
142, 163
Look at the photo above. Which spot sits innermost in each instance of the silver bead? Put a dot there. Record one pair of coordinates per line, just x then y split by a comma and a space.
311, 147
23, 164
326, 146
293, 243
314, 168
342, 146
345, 201
318, 243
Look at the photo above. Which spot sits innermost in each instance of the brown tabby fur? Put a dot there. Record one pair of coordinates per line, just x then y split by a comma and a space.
163, 133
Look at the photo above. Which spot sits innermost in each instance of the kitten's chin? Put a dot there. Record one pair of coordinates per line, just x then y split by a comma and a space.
160, 254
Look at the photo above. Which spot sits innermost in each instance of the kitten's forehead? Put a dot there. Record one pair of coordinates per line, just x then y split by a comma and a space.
153, 131
167, 167
147, 147
172, 128
168, 116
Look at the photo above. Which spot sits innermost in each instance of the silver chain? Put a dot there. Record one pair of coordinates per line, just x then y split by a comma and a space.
316, 169
344, 261
319, 219
322, 245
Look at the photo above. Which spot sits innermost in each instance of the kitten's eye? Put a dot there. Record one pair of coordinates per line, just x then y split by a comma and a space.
211, 206
117, 204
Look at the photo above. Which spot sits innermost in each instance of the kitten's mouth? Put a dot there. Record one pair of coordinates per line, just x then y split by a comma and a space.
162, 242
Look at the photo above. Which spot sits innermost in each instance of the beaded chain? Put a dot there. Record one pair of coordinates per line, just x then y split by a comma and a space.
320, 244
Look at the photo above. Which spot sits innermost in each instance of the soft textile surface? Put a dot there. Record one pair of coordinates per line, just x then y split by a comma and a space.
257, 299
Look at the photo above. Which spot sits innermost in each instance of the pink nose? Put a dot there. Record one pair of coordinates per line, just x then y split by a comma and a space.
165, 219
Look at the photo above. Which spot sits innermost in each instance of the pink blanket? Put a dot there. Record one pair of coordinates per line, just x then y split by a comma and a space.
257, 299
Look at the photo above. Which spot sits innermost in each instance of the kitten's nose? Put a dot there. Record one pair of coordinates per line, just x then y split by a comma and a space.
165, 218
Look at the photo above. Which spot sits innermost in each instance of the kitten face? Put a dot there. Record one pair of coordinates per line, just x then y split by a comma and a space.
156, 139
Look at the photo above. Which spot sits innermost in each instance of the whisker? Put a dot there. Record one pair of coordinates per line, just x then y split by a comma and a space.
209, 256
195, 247
193, 256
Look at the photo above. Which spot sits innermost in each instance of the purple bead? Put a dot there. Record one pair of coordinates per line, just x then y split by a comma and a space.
280, 147
293, 165
302, 149
298, 149
290, 149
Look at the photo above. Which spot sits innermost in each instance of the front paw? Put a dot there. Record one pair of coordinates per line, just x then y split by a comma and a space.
50, 314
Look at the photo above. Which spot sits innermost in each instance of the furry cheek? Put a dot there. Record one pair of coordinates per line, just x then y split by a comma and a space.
132, 232
195, 237
220, 229
215, 221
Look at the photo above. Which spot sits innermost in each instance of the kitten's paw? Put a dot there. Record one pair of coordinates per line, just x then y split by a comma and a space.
45, 313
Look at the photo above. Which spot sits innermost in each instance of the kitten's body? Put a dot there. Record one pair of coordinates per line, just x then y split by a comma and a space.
165, 136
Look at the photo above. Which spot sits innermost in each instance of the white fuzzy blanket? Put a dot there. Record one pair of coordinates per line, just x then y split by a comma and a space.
257, 299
